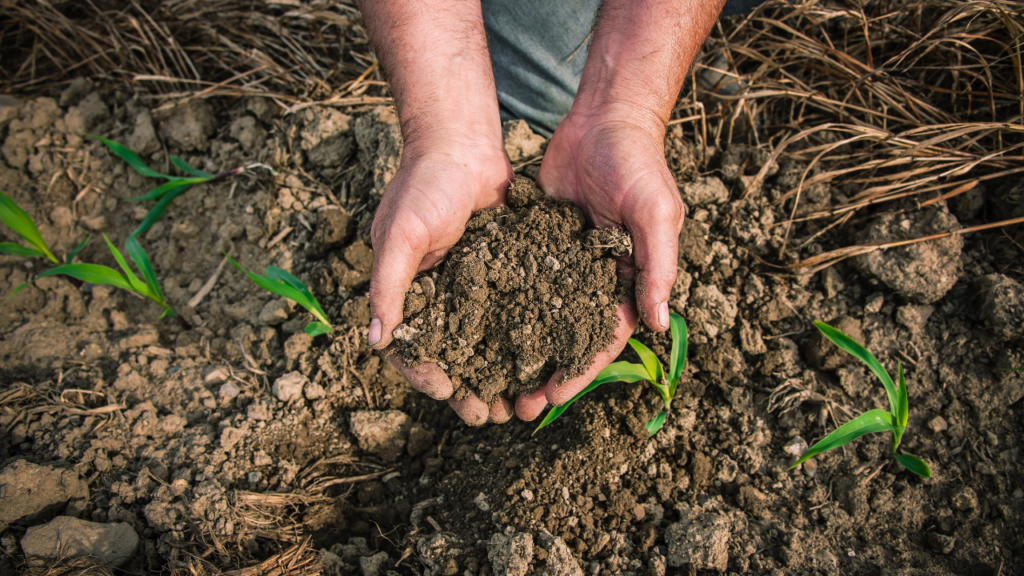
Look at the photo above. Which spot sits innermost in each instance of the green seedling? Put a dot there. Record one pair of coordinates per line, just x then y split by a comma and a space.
18, 220
149, 287
174, 186
283, 283
650, 370
894, 420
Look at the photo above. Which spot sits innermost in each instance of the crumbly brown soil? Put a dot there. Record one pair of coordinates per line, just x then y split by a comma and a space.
215, 472
527, 290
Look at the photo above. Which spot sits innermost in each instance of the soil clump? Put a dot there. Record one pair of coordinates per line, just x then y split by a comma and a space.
526, 291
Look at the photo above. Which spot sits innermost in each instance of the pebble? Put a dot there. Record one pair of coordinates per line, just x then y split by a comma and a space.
938, 424
510, 555
550, 262
874, 303
481, 502
67, 537
795, 447
528, 495
229, 391
314, 391
218, 375
289, 387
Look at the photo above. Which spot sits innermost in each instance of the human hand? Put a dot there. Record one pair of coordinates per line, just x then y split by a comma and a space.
422, 214
611, 164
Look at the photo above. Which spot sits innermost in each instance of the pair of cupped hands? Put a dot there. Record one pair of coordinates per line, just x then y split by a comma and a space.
610, 164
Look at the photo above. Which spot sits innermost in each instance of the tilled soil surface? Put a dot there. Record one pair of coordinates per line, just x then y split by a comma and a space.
526, 291
243, 438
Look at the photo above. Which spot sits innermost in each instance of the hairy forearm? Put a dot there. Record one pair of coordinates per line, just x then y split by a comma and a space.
435, 55
640, 55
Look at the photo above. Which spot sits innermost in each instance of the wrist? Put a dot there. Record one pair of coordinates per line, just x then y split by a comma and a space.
586, 115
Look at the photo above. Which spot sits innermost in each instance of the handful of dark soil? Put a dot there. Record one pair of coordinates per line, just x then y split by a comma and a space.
526, 291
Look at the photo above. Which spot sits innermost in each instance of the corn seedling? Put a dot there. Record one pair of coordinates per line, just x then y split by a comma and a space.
895, 420
174, 186
148, 287
283, 283
18, 220
650, 370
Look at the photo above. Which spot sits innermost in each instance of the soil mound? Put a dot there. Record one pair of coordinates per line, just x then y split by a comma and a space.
527, 290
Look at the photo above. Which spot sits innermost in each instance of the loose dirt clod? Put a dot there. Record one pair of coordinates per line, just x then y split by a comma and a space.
527, 290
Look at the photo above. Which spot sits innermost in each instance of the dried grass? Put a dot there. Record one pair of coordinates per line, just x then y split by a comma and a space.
289, 50
891, 100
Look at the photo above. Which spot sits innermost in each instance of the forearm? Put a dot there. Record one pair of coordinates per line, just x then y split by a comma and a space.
437, 63
640, 54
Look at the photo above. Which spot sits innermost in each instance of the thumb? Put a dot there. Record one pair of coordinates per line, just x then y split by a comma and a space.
654, 222
397, 254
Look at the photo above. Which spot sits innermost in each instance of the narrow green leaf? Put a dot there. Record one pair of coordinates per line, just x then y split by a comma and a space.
317, 328
680, 342
157, 211
141, 259
902, 402
168, 311
858, 351
20, 287
185, 167
310, 302
655, 424
866, 423
133, 160
272, 286
73, 253
649, 359
18, 220
915, 465
167, 188
19, 250
615, 372
133, 280
91, 273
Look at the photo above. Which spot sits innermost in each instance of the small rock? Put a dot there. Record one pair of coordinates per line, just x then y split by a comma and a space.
404, 332
703, 191
481, 502
938, 424
510, 555
914, 317
143, 138
373, 565
941, 543
275, 312
383, 432
874, 303
29, 492
229, 391
218, 375
66, 537
795, 447
701, 540
833, 282
550, 262
289, 387
314, 391
560, 561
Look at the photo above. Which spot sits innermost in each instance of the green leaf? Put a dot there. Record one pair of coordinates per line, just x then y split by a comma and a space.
680, 338
18, 220
866, 423
141, 259
19, 250
309, 303
858, 351
157, 211
20, 287
650, 360
915, 465
133, 160
91, 273
902, 402
133, 280
168, 187
317, 328
73, 253
185, 167
615, 372
655, 424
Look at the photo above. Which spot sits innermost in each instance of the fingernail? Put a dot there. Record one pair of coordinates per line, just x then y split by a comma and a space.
663, 314
375, 328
